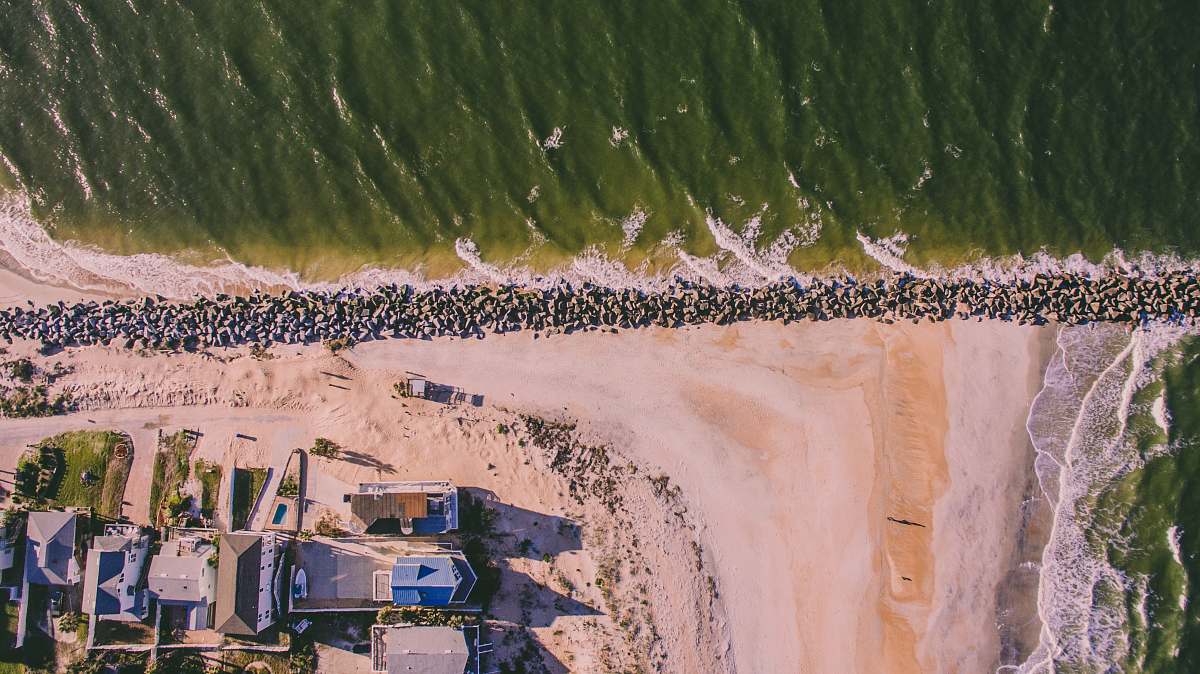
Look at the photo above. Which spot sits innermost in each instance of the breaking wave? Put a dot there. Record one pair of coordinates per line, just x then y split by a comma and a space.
741, 259
1079, 425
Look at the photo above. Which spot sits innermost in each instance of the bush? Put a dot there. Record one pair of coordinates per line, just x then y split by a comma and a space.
105, 662
12, 519
420, 615
38, 472
324, 447
170, 473
339, 344
329, 526
209, 475
33, 401
69, 622
178, 662
177, 504
260, 352
20, 369
288, 486
303, 657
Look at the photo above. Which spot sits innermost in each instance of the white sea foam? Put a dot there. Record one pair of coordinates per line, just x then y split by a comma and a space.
807, 232
468, 252
45, 259
554, 141
766, 268
535, 234
631, 226
1174, 535
1158, 412
1078, 425
740, 260
889, 252
926, 175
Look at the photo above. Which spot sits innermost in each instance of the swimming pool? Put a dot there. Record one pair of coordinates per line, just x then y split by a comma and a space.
280, 513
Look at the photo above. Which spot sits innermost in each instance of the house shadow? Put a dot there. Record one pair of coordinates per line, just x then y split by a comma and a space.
367, 460
528, 533
529, 602
517, 649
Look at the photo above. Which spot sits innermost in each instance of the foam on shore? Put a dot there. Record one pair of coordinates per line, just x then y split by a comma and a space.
1079, 425
741, 260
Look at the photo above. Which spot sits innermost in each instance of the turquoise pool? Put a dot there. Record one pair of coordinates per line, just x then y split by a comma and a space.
280, 514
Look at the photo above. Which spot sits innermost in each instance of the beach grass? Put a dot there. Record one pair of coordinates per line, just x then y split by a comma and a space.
209, 475
247, 483
91, 453
170, 469
250, 661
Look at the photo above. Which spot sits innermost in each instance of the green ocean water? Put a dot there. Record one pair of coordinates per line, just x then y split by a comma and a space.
323, 136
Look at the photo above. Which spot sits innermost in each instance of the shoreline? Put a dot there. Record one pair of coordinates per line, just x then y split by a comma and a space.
738, 259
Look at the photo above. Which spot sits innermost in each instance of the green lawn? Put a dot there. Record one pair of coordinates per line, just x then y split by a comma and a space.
91, 452
170, 469
209, 475
247, 482
8, 632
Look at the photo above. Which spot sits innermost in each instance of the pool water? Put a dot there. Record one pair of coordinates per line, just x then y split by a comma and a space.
280, 513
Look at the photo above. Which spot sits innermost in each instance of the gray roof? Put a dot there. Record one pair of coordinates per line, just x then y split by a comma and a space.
338, 578
178, 579
237, 583
50, 548
428, 650
111, 543
108, 577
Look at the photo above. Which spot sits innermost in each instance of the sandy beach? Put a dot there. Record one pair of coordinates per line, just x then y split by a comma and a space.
792, 447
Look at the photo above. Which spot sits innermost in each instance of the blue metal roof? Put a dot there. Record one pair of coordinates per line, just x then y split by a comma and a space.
428, 526
402, 597
468, 581
431, 581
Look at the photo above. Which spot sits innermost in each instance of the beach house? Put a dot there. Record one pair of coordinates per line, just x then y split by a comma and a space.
423, 508
440, 580
367, 574
113, 574
184, 581
401, 649
50, 549
246, 582
50, 562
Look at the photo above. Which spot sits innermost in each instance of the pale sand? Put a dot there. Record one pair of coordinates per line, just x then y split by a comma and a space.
16, 290
792, 445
